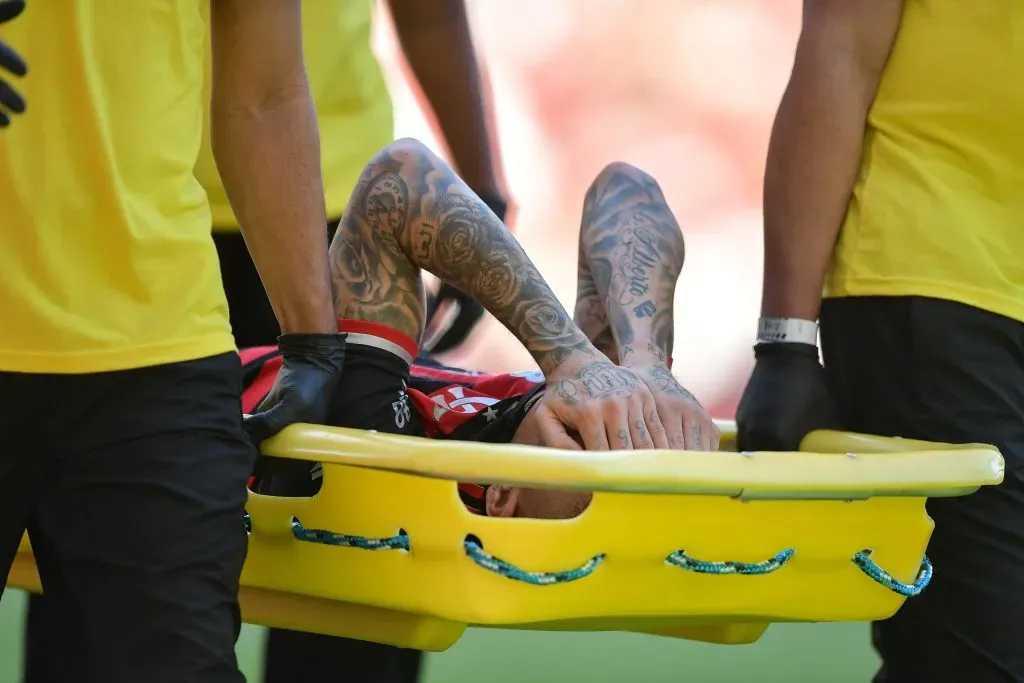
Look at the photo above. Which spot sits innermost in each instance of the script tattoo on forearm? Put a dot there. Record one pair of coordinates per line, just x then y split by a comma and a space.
634, 252
413, 203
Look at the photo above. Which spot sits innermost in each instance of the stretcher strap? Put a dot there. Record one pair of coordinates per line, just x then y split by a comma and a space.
907, 590
680, 559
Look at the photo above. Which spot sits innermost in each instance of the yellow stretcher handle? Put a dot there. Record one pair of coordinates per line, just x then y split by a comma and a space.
831, 465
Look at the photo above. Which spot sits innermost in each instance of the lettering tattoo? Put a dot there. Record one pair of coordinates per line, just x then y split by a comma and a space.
410, 212
631, 255
597, 380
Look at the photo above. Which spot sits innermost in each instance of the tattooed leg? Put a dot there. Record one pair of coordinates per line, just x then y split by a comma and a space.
631, 255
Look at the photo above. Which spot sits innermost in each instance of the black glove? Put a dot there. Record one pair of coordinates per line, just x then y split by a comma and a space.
470, 311
12, 62
310, 370
786, 398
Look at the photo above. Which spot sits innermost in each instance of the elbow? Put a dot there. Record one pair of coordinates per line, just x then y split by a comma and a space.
622, 189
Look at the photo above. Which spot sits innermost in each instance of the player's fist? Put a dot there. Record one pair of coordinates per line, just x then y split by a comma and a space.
786, 398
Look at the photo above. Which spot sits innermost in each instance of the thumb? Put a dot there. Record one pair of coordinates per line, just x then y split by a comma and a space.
553, 432
266, 424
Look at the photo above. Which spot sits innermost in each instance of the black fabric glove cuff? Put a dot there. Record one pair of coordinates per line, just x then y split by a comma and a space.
312, 344
325, 351
785, 349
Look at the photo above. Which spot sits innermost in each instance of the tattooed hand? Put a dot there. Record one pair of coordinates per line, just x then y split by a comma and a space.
609, 406
687, 424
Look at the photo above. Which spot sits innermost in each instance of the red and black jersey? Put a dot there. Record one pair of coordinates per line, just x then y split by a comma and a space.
380, 389
452, 402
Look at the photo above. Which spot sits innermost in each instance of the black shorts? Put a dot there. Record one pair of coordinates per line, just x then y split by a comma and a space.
131, 485
937, 370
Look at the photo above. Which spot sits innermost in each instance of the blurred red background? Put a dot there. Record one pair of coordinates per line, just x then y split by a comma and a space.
685, 89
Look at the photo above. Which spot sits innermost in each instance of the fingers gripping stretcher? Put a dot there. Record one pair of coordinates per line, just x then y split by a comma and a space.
704, 546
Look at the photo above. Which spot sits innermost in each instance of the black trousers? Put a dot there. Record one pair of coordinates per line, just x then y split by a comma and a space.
291, 656
131, 487
937, 370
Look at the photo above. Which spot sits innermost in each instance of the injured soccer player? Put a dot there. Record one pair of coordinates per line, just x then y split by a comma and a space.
604, 378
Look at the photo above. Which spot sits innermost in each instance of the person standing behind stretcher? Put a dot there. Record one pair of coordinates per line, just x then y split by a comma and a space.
356, 120
354, 112
895, 180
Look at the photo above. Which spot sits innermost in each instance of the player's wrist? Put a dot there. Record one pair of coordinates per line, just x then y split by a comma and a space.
787, 330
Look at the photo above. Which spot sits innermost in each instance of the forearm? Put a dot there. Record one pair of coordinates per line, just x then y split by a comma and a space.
269, 160
816, 146
437, 41
414, 197
590, 315
634, 249
266, 143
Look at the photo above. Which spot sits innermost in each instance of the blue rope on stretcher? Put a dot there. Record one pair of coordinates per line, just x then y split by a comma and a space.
680, 559
907, 590
398, 542
491, 563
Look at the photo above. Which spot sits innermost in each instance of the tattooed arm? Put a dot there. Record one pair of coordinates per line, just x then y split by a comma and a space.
631, 255
410, 211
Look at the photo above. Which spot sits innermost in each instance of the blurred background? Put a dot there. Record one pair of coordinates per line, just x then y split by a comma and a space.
685, 89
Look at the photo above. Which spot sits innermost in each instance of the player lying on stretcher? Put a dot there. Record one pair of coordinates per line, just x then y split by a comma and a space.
604, 379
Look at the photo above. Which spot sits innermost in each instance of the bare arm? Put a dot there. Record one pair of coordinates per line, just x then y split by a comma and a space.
632, 249
409, 207
438, 45
267, 147
631, 255
413, 207
815, 147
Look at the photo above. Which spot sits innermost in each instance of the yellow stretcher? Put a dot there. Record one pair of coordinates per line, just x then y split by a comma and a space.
705, 546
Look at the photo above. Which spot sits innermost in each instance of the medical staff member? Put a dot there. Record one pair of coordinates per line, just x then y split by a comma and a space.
124, 450
356, 120
355, 116
895, 185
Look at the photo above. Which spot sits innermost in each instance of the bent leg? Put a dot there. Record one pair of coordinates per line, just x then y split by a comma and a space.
631, 253
941, 371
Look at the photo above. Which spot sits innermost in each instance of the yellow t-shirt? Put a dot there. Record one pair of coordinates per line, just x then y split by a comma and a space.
352, 102
938, 207
106, 258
